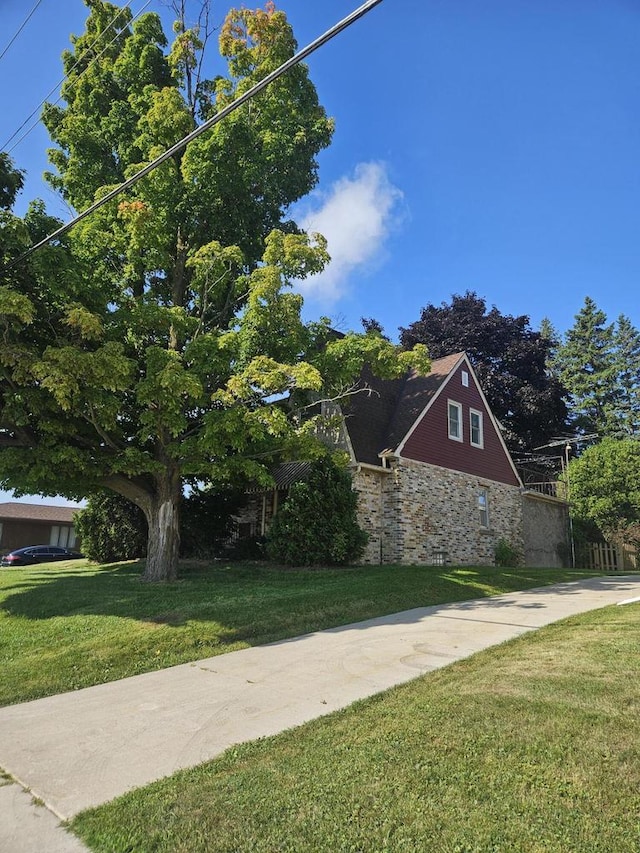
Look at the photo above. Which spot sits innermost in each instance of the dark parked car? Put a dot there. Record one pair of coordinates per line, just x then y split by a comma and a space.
38, 554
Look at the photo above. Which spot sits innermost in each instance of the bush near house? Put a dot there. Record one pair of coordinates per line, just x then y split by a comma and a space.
317, 524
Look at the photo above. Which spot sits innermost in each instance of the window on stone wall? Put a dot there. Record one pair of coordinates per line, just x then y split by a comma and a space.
475, 428
455, 421
483, 507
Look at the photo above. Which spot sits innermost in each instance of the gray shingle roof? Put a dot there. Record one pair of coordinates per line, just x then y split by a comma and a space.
285, 475
38, 512
379, 416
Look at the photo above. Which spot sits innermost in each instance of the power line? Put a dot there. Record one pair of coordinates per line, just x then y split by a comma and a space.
20, 28
66, 77
207, 125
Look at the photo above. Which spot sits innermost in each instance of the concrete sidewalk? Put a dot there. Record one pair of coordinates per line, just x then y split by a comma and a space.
84, 748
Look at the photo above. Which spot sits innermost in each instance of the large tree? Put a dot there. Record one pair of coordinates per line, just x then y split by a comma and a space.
157, 345
510, 359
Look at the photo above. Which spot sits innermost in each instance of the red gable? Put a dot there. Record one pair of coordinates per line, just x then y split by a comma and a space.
410, 417
457, 431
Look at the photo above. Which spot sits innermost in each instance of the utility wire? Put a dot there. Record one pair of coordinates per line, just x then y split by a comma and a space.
20, 28
66, 77
178, 146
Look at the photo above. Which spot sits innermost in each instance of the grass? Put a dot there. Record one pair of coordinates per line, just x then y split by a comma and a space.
71, 625
532, 747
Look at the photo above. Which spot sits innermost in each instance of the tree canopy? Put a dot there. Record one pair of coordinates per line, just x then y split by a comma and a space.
509, 358
604, 488
160, 342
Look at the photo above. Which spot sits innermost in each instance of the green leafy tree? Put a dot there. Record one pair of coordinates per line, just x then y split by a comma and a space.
11, 182
604, 488
509, 358
587, 368
156, 345
111, 528
317, 524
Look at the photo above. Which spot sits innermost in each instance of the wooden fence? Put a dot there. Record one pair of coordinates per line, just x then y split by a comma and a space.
607, 557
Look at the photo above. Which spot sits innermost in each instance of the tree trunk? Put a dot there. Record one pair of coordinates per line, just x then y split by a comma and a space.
163, 543
159, 499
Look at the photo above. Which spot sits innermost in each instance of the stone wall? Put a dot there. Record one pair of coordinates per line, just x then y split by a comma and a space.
424, 514
441, 518
369, 486
546, 531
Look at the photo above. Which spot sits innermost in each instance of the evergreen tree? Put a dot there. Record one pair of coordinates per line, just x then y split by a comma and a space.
626, 343
587, 368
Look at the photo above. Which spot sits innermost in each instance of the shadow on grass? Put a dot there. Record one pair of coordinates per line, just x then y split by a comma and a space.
238, 594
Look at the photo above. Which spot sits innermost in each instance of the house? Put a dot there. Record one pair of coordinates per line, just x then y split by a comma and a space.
435, 480
24, 524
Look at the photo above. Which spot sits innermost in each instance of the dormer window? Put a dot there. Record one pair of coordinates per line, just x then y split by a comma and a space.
455, 421
476, 434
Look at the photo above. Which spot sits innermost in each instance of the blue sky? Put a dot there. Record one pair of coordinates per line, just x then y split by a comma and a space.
491, 146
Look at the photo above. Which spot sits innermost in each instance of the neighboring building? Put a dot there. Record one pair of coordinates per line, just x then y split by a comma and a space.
435, 480
23, 524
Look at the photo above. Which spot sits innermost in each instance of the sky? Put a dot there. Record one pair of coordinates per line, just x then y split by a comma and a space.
487, 146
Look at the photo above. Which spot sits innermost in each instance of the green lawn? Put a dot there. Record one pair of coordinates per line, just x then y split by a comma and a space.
530, 746
67, 626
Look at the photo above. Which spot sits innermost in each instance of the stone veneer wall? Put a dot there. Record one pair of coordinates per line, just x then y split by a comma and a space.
369, 486
421, 514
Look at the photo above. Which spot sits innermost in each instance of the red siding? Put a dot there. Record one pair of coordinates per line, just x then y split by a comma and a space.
430, 441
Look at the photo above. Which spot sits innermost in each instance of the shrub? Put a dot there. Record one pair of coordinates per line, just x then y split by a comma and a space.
206, 521
506, 554
111, 528
317, 524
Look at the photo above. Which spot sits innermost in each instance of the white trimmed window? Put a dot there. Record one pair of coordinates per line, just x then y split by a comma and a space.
465, 378
455, 421
476, 432
483, 507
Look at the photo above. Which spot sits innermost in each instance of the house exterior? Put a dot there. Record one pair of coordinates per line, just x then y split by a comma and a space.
435, 480
23, 524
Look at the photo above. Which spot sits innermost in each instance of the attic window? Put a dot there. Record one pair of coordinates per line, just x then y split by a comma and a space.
465, 378
455, 421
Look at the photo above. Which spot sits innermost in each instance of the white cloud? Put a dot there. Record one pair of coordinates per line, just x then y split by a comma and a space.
356, 216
